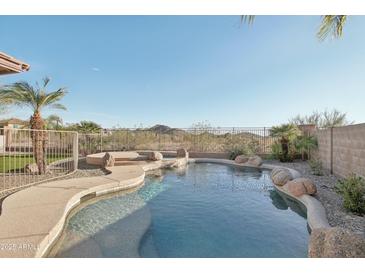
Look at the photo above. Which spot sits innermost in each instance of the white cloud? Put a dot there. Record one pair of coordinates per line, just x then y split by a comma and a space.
95, 69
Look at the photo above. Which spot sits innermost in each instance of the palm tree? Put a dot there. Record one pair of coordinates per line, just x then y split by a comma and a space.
305, 144
36, 98
54, 122
332, 25
88, 127
286, 133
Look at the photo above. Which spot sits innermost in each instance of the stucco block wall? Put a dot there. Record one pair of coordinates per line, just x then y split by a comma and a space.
348, 149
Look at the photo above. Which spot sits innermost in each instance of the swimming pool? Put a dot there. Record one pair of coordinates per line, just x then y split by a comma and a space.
205, 211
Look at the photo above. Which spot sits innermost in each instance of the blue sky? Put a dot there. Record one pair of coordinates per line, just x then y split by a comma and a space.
179, 70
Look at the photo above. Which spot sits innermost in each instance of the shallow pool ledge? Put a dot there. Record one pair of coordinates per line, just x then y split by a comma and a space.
316, 214
33, 218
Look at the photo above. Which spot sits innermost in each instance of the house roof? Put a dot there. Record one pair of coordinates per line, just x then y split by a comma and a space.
14, 121
9, 64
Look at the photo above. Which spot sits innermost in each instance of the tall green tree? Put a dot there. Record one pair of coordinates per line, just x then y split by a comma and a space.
331, 25
36, 98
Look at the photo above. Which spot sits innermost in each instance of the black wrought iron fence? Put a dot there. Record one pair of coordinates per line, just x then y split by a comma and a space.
257, 140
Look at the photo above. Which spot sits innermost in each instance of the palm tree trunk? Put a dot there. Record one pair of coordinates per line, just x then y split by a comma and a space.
285, 149
39, 141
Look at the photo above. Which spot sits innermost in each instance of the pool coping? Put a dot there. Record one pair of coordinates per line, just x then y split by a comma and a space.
29, 240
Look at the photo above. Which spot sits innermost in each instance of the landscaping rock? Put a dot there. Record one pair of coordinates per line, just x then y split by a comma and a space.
255, 161
154, 156
108, 160
276, 171
281, 176
310, 186
296, 189
241, 159
336, 243
31, 168
301, 186
182, 153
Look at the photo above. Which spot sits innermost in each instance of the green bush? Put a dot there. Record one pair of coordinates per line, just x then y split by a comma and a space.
316, 167
352, 190
277, 152
304, 145
243, 149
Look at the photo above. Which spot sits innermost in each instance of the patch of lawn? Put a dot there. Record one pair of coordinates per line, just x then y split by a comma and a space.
14, 163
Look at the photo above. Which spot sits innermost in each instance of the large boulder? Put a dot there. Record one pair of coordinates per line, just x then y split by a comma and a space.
276, 171
31, 168
241, 159
182, 153
310, 186
108, 160
296, 189
254, 161
154, 156
301, 186
280, 176
336, 243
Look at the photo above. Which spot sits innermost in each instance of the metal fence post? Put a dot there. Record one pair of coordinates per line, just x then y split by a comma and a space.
331, 150
159, 139
264, 150
101, 140
75, 148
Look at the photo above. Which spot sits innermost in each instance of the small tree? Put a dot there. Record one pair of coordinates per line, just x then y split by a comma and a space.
305, 144
54, 122
324, 119
36, 98
88, 127
286, 134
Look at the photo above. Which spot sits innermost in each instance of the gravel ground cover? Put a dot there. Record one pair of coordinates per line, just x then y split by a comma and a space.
332, 201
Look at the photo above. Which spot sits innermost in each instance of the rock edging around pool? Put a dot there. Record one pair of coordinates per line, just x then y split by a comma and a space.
316, 214
32, 219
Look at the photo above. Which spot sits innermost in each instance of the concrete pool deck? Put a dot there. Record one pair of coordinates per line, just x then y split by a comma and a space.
32, 219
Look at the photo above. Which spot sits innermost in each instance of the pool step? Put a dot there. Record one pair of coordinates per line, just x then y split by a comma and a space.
127, 163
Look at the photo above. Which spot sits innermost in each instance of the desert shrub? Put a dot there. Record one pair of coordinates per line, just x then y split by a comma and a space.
248, 149
352, 190
286, 134
316, 167
276, 151
304, 145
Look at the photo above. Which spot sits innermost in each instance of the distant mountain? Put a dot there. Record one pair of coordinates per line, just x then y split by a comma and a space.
165, 129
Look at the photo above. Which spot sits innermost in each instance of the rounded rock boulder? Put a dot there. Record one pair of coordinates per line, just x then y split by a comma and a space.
255, 161
241, 159
154, 156
182, 153
108, 160
301, 186
280, 176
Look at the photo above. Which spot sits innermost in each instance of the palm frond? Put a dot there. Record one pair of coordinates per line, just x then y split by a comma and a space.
58, 106
332, 25
23, 94
248, 19
46, 81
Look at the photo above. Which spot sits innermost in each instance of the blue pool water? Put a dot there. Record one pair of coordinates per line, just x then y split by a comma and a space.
206, 211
